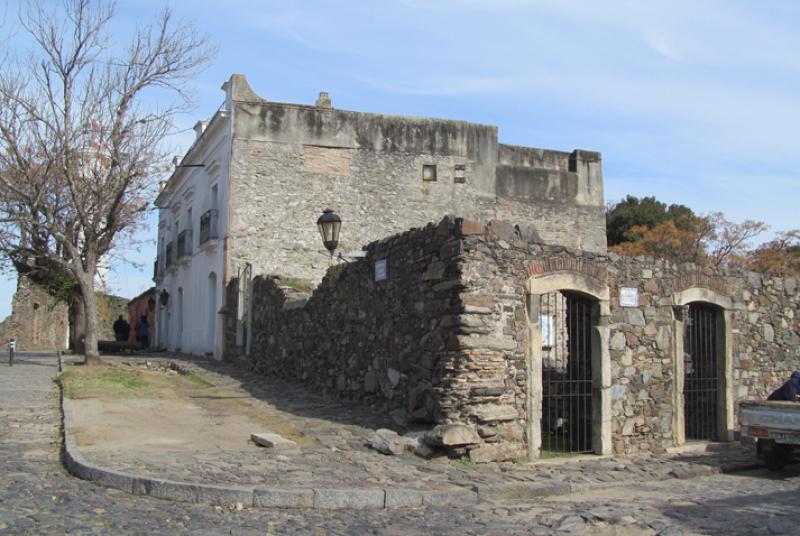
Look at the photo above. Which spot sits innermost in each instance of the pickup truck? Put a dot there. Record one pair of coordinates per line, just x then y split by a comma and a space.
775, 425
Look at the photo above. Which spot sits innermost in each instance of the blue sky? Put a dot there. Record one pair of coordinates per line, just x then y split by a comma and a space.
693, 102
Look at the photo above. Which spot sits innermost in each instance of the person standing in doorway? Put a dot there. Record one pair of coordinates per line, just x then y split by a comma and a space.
122, 329
143, 332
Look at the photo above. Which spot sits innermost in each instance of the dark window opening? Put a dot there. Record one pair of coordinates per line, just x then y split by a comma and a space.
429, 173
459, 174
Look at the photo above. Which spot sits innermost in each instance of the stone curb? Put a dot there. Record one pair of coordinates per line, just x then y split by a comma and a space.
320, 498
332, 499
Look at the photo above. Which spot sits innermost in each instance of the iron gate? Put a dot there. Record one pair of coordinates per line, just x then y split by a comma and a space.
701, 372
566, 326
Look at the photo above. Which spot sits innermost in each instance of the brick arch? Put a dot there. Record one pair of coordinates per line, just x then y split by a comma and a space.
567, 264
701, 281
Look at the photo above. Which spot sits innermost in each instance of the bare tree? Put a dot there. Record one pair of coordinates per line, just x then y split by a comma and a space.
82, 140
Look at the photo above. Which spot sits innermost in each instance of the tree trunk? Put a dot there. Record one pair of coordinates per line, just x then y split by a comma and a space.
91, 354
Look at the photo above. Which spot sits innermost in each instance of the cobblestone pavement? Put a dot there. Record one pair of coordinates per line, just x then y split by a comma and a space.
38, 497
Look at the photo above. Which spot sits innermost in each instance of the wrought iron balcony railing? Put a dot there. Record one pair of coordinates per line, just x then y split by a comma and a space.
208, 225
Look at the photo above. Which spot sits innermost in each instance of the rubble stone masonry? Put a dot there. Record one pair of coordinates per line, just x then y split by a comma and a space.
446, 338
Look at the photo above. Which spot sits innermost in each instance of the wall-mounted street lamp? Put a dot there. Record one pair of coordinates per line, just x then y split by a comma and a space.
329, 225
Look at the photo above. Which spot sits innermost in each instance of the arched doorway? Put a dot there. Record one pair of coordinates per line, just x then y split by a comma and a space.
703, 397
569, 404
702, 378
566, 320
211, 313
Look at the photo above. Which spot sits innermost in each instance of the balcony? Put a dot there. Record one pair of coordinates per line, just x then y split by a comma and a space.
184, 244
170, 256
208, 226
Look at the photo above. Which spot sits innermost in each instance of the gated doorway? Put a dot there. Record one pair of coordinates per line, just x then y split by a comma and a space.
566, 339
703, 371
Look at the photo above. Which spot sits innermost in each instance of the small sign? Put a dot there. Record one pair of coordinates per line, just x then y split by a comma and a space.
547, 324
628, 297
380, 270
12, 344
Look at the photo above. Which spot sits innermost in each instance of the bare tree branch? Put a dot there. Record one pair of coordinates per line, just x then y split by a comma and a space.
80, 143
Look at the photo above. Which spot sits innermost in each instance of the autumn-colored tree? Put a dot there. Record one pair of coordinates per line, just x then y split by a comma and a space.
780, 256
666, 241
708, 240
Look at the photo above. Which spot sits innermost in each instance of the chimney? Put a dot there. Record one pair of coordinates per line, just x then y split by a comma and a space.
199, 128
324, 100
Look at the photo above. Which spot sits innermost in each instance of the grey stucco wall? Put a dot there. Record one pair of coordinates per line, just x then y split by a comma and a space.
289, 162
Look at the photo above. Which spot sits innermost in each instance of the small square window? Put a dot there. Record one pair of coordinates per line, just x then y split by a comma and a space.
428, 173
459, 174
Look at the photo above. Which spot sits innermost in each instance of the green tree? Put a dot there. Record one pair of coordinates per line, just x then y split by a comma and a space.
647, 212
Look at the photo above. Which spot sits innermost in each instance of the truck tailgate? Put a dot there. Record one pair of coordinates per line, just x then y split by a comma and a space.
770, 414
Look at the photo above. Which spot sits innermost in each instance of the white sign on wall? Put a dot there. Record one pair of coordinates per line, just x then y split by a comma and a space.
628, 297
548, 328
380, 270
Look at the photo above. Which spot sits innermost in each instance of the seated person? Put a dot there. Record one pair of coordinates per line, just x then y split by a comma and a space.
789, 390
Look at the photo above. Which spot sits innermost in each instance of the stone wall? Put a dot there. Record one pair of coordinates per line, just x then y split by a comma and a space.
381, 342
763, 317
37, 321
448, 337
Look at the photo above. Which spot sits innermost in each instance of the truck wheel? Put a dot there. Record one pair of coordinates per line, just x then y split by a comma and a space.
776, 457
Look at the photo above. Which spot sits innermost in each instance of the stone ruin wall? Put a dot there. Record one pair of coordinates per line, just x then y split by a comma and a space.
37, 321
444, 339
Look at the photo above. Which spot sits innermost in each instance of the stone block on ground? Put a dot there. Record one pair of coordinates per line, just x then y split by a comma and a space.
271, 440
390, 442
339, 499
403, 498
224, 495
452, 435
283, 498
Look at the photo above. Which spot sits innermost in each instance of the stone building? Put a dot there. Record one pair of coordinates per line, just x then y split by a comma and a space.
38, 322
529, 348
509, 323
245, 198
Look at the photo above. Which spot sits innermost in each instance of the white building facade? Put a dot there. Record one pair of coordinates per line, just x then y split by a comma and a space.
192, 226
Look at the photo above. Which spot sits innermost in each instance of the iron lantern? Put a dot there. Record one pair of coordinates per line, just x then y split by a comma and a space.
329, 225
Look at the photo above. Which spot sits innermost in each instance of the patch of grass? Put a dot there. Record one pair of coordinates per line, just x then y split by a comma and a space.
335, 272
197, 380
545, 453
293, 282
114, 382
465, 461
100, 381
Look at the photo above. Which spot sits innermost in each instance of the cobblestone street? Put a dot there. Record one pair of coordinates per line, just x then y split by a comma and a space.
37, 496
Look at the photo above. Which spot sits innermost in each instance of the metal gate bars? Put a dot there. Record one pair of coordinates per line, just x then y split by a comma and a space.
566, 324
701, 383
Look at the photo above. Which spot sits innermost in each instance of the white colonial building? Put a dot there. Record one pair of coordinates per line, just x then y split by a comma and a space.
190, 268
